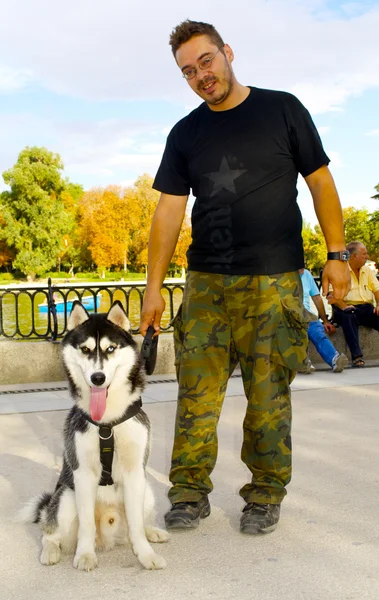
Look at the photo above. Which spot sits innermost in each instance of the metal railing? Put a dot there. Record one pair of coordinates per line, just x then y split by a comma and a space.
41, 312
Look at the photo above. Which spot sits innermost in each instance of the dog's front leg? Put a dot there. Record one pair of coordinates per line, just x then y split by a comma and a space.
86, 483
134, 495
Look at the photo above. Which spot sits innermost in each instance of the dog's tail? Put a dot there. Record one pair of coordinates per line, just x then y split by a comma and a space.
31, 512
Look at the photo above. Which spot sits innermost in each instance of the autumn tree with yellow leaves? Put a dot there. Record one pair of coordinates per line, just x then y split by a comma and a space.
114, 224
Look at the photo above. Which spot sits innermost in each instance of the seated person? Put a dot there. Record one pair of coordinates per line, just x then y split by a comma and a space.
316, 330
361, 305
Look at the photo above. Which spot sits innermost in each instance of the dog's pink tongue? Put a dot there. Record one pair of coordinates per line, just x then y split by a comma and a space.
98, 402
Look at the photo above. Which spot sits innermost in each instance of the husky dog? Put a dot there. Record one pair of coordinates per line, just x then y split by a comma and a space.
97, 504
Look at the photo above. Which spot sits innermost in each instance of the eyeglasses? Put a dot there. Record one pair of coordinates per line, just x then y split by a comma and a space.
204, 65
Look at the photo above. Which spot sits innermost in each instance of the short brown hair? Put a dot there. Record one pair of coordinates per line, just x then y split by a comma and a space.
188, 29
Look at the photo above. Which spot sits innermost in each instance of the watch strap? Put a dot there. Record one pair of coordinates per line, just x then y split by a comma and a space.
342, 255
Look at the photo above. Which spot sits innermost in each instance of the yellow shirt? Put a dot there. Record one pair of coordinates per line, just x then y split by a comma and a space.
362, 291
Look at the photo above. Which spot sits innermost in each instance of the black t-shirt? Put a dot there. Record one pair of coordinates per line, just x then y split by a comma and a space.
242, 166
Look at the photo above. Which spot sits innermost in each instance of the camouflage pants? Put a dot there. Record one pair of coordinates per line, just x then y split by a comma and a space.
260, 322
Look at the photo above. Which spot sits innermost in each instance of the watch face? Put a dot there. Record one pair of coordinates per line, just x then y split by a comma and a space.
345, 255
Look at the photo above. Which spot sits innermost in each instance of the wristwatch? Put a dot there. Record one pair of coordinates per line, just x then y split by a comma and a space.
344, 255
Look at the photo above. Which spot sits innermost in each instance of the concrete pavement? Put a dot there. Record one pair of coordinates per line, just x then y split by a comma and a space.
325, 547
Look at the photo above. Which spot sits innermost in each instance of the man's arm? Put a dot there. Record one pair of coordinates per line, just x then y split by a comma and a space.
329, 327
342, 304
329, 213
164, 233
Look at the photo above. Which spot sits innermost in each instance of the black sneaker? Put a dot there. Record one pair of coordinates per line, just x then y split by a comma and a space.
259, 518
187, 515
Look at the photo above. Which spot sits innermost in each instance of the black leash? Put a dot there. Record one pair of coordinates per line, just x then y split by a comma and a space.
107, 440
149, 350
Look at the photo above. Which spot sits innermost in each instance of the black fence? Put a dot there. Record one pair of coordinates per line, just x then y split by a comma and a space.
41, 312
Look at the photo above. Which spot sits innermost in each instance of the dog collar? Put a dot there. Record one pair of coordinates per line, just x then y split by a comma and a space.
107, 440
130, 412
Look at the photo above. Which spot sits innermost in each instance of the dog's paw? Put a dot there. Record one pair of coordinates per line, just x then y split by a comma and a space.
85, 562
152, 560
156, 535
50, 554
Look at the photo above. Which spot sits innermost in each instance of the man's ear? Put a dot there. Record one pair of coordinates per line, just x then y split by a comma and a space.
228, 52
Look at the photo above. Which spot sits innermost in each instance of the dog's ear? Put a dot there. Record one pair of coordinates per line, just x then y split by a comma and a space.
117, 316
78, 315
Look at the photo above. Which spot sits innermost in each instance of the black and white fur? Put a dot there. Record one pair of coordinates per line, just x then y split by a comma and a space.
80, 515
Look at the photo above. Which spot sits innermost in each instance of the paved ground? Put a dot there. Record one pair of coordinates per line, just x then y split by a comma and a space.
327, 543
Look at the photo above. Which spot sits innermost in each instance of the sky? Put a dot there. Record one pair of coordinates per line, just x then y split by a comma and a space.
96, 81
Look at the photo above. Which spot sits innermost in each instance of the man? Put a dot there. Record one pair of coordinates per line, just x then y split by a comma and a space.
317, 329
240, 152
361, 305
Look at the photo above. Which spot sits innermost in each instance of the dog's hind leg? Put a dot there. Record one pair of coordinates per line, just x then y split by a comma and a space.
51, 549
59, 524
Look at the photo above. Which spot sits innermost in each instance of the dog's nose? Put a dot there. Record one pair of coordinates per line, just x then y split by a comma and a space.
98, 378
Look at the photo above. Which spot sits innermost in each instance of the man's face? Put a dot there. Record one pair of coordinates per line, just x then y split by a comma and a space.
359, 258
214, 83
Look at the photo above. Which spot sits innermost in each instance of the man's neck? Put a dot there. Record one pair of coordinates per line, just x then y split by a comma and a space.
356, 271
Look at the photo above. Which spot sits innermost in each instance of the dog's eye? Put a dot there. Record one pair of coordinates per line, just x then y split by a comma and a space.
111, 349
85, 350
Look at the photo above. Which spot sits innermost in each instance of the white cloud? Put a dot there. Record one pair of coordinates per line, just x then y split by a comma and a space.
127, 183
88, 169
12, 80
373, 132
103, 149
323, 129
114, 51
335, 159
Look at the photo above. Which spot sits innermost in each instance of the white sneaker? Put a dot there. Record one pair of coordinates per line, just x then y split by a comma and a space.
339, 363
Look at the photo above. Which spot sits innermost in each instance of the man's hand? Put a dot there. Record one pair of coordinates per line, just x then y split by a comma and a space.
376, 310
152, 310
336, 274
329, 327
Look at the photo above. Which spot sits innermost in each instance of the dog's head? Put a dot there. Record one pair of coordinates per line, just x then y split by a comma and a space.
102, 361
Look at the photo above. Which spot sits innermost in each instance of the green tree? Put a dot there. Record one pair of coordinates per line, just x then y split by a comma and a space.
35, 221
357, 227
6, 255
376, 196
314, 248
74, 248
373, 248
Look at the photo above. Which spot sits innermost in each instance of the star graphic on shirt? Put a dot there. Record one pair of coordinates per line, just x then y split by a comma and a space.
223, 179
